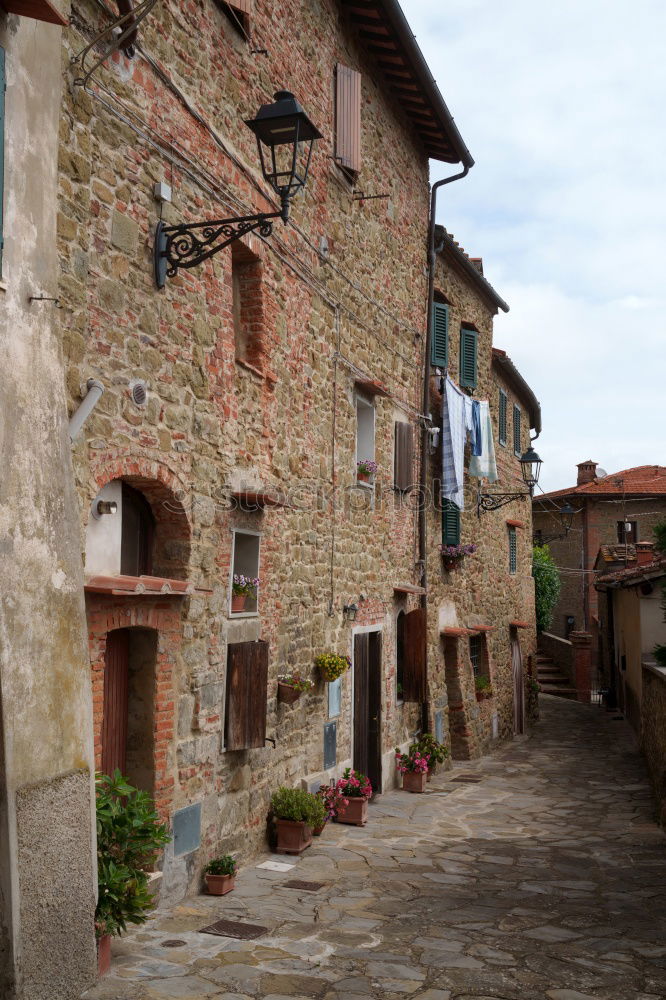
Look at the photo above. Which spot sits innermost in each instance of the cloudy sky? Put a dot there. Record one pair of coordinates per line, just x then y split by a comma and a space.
562, 106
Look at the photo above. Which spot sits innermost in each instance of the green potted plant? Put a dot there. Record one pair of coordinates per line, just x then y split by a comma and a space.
332, 666
333, 801
242, 587
356, 788
365, 470
483, 687
296, 812
220, 875
319, 815
129, 837
291, 687
453, 555
413, 766
437, 752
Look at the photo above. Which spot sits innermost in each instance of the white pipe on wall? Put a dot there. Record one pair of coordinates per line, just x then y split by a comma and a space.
88, 404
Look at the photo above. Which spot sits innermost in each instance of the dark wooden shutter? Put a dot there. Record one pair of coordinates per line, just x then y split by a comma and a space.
404, 456
516, 431
439, 335
361, 701
244, 6
114, 724
348, 118
502, 416
414, 686
513, 550
450, 523
468, 341
247, 695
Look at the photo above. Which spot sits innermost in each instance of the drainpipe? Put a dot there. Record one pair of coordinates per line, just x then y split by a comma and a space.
90, 401
423, 551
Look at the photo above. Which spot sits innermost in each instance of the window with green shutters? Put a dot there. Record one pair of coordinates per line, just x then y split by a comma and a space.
439, 335
3, 87
468, 351
450, 523
513, 550
516, 431
502, 416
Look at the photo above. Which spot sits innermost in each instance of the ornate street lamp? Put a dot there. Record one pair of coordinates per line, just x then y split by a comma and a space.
285, 136
566, 514
530, 466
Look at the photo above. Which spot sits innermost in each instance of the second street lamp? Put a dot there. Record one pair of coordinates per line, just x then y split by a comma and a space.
530, 467
285, 136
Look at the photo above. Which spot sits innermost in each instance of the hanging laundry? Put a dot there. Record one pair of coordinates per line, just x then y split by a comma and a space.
474, 427
483, 466
454, 432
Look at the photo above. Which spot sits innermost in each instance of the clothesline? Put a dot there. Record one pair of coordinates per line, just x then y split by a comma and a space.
464, 417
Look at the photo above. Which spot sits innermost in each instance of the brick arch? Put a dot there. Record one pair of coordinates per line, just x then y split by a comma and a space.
168, 499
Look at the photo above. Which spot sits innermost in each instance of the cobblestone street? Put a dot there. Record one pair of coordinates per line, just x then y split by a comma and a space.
543, 877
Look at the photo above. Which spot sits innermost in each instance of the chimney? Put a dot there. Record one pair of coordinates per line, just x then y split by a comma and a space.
587, 472
644, 553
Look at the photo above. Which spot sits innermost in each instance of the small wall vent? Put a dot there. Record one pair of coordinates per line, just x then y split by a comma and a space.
139, 392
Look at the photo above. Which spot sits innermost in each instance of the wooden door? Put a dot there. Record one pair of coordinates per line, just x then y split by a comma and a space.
114, 724
247, 695
367, 706
518, 688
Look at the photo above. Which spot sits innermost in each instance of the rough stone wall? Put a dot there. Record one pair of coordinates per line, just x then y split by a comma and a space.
282, 418
481, 590
653, 733
44, 672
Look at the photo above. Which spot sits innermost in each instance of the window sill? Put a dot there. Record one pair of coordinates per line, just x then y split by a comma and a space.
243, 614
364, 486
263, 375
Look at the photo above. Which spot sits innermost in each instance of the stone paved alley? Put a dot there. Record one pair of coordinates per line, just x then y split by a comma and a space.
543, 879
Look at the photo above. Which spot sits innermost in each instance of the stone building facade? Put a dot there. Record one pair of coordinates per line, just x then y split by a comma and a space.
481, 614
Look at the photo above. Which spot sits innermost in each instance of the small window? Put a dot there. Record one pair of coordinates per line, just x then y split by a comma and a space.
468, 357
247, 305
450, 523
538, 537
513, 550
238, 12
400, 656
365, 438
502, 417
137, 534
244, 598
476, 654
516, 431
439, 335
348, 120
627, 532
403, 474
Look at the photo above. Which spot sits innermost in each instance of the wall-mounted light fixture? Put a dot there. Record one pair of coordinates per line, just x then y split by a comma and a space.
349, 612
285, 136
566, 514
102, 507
530, 466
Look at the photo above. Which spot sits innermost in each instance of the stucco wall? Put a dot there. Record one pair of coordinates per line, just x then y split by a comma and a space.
43, 672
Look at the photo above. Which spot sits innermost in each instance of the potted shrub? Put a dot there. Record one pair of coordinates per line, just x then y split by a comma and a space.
437, 752
331, 666
484, 688
333, 801
365, 470
291, 687
242, 588
356, 788
413, 766
129, 837
319, 815
453, 555
220, 875
295, 812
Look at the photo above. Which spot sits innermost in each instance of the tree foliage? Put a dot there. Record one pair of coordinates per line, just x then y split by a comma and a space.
547, 585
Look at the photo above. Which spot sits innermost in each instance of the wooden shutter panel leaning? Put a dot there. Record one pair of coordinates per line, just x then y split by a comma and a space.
348, 118
247, 695
468, 352
244, 6
439, 335
404, 456
414, 685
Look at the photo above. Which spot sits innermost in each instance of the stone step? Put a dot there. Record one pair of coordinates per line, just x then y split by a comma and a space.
543, 659
562, 692
558, 679
550, 672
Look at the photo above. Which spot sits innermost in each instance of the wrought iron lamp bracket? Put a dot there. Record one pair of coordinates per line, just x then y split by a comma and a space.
189, 244
493, 501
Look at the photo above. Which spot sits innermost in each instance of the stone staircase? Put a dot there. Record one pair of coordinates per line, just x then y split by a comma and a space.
551, 679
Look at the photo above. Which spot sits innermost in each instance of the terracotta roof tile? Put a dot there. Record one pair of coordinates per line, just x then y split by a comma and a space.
643, 479
635, 573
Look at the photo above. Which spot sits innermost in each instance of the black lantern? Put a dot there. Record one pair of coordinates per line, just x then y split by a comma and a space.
285, 136
530, 465
349, 612
566, 516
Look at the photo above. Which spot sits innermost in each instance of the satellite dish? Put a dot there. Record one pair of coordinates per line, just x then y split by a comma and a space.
601, 473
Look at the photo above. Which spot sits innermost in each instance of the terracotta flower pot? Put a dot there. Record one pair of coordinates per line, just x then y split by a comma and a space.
451, 564
219, 885
293, 836
238, 603
355, 814
363, 477
287, 695
414, 781
103, 954
318, 830
431, 770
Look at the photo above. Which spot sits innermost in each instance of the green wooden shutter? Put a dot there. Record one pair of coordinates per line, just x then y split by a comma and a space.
450, 523
516, 431
468, 344
502, 416
513, 550
3, 87
439, 335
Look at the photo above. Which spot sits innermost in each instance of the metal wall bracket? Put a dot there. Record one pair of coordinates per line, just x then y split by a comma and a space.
493, 501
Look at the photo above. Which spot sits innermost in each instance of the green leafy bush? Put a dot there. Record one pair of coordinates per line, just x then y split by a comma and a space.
319, 812
129, 836
660, 537
482, 684
296, 804
438, 752
659, 653
226, 865
546, 584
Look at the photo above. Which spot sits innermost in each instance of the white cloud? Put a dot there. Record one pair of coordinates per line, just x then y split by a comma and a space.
561, 106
